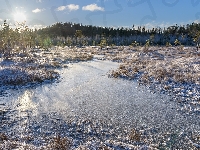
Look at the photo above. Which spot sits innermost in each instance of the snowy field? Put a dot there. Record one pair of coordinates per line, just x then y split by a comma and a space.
123, 98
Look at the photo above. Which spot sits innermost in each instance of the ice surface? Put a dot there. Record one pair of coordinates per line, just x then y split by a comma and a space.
85, 92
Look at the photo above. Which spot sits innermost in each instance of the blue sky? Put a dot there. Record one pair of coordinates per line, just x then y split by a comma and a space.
112, 13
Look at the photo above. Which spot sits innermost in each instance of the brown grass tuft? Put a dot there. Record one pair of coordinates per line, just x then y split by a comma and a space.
3, 137
134, 135
60, 143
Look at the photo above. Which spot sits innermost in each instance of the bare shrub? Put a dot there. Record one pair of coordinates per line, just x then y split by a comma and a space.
3, 137
115, 74
134, 135
60, 143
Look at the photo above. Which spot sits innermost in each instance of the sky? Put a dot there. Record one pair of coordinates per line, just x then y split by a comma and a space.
106, 13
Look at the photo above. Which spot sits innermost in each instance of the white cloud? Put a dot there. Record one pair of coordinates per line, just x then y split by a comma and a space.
37, 10
70, 7
61, 8
92, 7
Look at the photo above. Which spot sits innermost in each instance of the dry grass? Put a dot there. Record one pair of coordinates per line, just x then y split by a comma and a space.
162, 65
3, 137
152, 64
38, 66
64, 143
169, 69
17, 75
59, 143
69, 55
134, 135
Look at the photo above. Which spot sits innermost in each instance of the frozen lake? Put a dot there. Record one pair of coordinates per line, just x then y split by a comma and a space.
85, 91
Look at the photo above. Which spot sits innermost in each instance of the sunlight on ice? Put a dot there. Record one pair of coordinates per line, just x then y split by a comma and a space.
25, 101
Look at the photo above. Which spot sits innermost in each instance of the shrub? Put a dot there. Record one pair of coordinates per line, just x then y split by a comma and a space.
60, 143
134, 135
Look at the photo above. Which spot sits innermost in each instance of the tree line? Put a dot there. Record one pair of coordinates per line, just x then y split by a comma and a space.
76, 34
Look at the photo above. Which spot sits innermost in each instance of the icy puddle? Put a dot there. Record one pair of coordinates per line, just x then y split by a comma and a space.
86, 106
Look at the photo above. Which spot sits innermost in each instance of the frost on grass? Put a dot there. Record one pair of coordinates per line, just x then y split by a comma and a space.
166, 69
51, 131
21, 76
161, 65
36, 66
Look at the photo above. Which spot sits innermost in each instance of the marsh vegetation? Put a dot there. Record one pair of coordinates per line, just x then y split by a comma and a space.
102, 77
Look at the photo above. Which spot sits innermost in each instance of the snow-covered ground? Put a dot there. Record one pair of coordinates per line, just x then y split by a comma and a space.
169, 70
94, 111
85, 108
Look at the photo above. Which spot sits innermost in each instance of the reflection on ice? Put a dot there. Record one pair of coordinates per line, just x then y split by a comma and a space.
25, 102
25, 109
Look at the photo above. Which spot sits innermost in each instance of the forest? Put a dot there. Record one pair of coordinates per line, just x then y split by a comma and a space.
75, 34
78, 34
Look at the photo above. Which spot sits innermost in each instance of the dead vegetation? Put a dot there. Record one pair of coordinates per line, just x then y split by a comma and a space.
168, 70
36, 66
134, 135
59, 143
161, 65
148, 66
